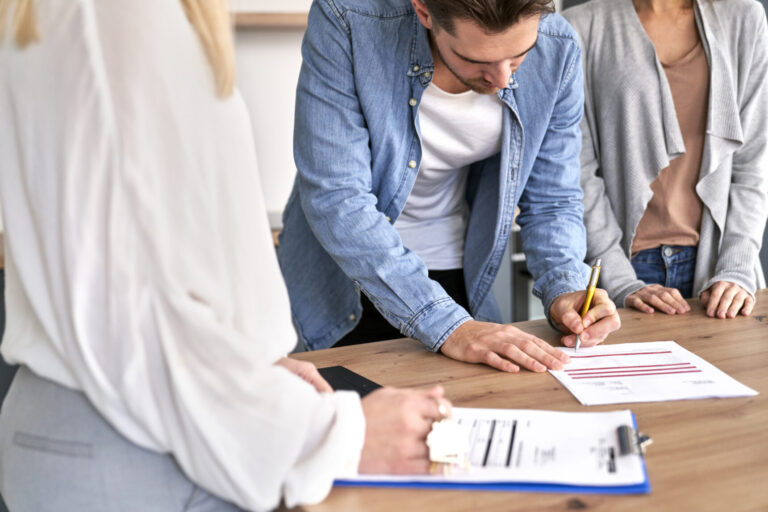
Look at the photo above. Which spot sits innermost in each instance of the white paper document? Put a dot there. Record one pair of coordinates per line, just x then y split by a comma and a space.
549, 447
643, 372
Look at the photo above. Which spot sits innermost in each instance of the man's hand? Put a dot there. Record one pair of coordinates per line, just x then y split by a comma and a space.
725, 300
397, 422
501, 346
306, 371
601, 319
667, 300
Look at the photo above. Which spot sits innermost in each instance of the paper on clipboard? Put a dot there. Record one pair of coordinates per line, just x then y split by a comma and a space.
536, 450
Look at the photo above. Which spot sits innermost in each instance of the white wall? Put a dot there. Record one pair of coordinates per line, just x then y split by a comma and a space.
268, 63
269, 5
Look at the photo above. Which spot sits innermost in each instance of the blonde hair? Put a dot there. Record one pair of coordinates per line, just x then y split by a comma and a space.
213, 26
210, 19
24, 21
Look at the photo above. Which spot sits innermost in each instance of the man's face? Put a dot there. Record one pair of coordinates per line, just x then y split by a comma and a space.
481, 61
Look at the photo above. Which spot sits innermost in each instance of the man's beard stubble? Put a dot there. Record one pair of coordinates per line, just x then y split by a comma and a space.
473, 86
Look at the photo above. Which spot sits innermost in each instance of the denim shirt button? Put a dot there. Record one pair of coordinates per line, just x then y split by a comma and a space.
412, 102
352, 317
415, 69
427, 74
389, 219
412, 164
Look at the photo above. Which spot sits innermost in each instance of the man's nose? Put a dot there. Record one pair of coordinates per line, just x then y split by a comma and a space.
499, 75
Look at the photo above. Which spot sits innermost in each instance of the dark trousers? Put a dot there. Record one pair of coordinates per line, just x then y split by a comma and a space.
373, 326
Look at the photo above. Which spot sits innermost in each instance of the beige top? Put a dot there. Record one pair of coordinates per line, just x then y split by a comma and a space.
673, 215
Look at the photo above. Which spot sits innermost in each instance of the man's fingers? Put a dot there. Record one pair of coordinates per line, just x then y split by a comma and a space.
517, 355
493, 360
602, 310
543, 358
553, 351
596, 333
572, 321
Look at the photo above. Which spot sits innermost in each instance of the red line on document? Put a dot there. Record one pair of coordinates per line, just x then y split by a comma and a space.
633, 375
641, 370
625, 354
621, 367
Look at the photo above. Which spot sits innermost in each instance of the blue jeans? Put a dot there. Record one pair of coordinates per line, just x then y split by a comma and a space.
669, 265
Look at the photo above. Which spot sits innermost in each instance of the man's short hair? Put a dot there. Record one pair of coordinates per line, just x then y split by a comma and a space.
492, 15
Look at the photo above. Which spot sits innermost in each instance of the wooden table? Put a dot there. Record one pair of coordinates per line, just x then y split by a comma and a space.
706, 454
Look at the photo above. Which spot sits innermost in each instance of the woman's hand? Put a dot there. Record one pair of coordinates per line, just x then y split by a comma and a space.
397, 422
666, 300
306, 371
725, 300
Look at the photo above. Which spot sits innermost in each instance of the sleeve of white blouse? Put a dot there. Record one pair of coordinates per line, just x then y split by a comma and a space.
130, 299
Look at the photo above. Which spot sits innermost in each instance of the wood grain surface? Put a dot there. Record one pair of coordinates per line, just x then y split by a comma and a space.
706, 454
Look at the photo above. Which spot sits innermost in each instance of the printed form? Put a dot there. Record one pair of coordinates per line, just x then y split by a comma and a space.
643, 372
521, 445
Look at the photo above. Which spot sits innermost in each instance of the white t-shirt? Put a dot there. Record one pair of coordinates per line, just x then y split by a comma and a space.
140, 268
457, 130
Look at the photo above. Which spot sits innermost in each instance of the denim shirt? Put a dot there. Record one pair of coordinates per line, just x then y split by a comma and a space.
357, 149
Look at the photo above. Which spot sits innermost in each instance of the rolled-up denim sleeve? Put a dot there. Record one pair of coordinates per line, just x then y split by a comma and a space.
551, 211
333, 159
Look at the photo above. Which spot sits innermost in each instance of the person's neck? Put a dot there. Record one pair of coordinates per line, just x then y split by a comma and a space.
663, 7
442, 76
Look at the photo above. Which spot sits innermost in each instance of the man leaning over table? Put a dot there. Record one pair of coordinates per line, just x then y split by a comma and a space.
420, 126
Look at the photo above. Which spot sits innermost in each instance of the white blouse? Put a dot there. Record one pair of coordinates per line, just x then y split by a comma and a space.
139, 264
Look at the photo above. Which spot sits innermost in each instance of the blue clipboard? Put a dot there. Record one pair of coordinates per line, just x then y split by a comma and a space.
641, 488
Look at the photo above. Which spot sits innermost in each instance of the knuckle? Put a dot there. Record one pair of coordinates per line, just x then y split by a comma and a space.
474, 347
525, 345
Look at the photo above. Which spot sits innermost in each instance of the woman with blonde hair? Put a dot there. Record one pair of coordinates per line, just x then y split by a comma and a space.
144, 299
675, 150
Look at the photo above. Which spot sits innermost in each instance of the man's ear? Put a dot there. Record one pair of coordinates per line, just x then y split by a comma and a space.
423, 13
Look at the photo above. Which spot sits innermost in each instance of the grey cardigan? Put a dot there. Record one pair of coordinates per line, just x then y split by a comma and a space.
630, 133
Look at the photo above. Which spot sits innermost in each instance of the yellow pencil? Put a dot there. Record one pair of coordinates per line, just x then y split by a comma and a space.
590, 293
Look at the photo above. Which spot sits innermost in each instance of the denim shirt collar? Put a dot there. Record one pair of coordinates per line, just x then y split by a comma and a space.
421, 62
